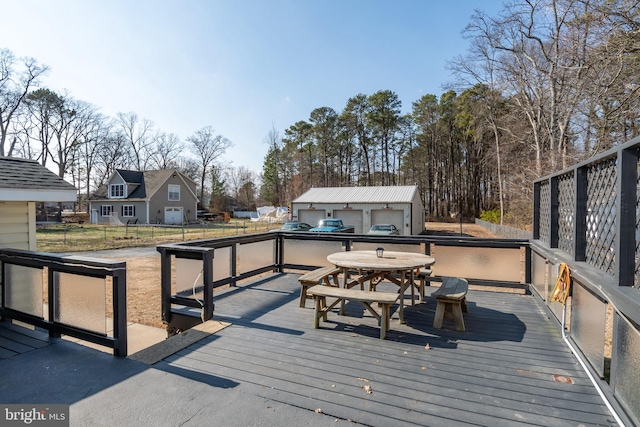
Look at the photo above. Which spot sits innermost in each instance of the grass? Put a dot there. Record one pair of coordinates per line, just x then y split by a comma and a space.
86, 237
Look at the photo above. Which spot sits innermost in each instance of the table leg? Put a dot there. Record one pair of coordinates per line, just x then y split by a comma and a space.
345, 274
401, 311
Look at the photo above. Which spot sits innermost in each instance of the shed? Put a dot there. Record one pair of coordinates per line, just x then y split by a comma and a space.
363, 206
22, 184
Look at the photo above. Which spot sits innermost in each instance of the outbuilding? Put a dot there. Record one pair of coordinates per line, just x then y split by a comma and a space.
362, 207
22, 184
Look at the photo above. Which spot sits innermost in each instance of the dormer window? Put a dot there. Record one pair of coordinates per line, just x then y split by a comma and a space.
116, 191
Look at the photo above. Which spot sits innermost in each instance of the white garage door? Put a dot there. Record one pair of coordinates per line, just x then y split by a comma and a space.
173, 215
350, 217
311, 216
388, 216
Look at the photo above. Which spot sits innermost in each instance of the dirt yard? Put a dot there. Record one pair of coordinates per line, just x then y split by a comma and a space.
143, 276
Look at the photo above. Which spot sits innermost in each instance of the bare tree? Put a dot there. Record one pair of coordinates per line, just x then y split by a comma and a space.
137, 134
208, 147
168, 148
14, 87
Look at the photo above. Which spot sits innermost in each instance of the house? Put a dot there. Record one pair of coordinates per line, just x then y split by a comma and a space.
363, 206
164, 196
22, 184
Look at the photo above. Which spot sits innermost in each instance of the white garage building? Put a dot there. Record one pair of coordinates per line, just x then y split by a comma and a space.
362, 207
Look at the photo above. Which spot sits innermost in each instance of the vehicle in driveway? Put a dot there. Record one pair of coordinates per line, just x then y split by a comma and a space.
384, 230
332, 225
295, 226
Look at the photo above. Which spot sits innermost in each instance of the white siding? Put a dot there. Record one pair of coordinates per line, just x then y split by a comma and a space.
311, 216
17, 225
351, 217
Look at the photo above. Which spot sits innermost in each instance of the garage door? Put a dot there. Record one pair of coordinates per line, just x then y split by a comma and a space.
311, 216
173, 215
350, 217
388, 216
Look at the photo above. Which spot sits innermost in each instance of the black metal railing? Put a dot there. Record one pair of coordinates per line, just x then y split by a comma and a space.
588, 216
74, 286
201, 266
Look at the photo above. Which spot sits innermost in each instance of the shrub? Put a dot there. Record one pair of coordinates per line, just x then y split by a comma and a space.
491, 216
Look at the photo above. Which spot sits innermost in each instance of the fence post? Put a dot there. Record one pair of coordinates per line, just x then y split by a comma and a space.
105, 233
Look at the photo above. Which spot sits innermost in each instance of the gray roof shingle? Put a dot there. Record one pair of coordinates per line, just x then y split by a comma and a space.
29, 175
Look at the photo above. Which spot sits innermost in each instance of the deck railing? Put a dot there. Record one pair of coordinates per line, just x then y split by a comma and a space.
66, 295
196, 268
587, 216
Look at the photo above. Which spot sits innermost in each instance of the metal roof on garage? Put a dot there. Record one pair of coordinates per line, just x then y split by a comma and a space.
387, 194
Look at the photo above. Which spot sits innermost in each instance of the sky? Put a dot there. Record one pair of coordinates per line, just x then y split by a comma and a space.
244, 67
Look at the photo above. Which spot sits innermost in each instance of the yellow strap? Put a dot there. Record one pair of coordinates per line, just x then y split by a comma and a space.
560, 292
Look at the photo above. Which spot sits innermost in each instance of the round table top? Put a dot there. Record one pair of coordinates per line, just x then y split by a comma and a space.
368, 260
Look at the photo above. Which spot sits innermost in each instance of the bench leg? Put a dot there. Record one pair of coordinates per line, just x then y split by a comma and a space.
437, 320
384, 320
450, 308
457, 316
303, 295
317, 312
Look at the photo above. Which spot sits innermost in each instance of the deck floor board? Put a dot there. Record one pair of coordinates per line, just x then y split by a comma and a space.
499, 372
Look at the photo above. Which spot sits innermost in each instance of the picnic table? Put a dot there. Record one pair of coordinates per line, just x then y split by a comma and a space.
395, 267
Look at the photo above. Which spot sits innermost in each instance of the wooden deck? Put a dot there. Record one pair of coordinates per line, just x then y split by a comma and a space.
16, 340
510, 367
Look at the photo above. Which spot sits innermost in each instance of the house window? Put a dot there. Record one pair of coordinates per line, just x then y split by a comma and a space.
105, 210
128, 210
116, 191
174, 193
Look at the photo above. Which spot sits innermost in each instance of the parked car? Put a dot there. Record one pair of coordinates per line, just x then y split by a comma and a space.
295, 226
332, 225
384, 230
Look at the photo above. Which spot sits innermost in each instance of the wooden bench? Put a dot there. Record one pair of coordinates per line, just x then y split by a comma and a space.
452, 301
315, 277
384, 299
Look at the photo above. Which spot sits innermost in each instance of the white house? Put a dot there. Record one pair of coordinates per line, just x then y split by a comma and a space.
363, 206
22, 184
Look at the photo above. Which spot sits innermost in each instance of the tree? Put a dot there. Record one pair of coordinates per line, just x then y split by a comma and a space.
168, 148
354, 120
14, 87
137, 133
325, 129
382, 119
208, 147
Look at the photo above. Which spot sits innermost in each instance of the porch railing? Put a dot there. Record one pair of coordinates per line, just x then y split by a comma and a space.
196, 268
587, 216
66, 295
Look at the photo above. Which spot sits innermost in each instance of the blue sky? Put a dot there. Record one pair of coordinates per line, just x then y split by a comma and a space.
241, 66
